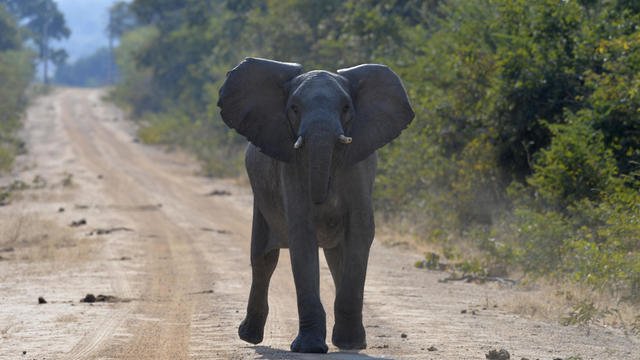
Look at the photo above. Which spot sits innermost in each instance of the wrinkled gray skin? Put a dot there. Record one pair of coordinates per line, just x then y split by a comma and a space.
318, 195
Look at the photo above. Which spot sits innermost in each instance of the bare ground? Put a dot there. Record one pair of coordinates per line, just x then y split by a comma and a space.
178, 263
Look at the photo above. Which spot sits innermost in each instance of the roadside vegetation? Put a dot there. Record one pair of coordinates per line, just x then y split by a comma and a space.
526, 142
24, 44
16, 71
38, 23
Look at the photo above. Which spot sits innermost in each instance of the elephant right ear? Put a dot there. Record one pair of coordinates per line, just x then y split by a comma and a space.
252, 101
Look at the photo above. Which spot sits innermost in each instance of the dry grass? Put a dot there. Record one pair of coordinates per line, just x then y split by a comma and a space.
241, 180
540, 299
541, 304
573, 303
37, 239
399, 232
68, 318
4, 329
402, 233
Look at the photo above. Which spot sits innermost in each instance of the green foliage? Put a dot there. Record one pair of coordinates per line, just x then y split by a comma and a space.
526, 141
538, 75
121, 19
16, 72
34, 15
6, 159
585, 313
9, 33
135, 89
543, 93
576, 166
615, 83
431, 262
7, 190
593, 244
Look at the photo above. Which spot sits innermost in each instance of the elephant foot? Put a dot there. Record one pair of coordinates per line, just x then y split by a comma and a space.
349, 337
251, 330
309, 342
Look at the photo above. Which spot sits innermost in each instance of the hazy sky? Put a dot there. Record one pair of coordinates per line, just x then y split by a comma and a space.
87, 20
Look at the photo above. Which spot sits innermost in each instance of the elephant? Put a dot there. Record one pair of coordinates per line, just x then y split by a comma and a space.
311, 162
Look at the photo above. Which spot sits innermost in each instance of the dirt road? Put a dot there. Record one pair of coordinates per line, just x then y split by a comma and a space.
177, 259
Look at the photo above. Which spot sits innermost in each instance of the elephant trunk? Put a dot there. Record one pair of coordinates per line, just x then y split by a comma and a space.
320, 156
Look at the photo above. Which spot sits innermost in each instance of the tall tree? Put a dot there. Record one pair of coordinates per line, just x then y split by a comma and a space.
9, 34
43, 21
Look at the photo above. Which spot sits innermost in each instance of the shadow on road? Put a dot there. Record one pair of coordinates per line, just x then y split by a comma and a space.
269, 353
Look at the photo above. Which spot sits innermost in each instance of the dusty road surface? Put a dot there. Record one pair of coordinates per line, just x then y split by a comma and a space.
176, 261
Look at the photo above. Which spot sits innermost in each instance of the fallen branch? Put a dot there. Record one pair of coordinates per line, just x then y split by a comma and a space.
473, 277
108, 231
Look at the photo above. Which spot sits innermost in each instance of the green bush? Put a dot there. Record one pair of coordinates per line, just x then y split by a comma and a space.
526, 140
6, 158
592, 244
134, 90
15, 74
580, 218
576, 166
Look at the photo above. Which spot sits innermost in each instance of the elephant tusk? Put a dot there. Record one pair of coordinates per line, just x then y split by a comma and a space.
298, 143
345, 139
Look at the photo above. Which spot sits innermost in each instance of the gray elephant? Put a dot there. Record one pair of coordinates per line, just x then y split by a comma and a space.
311, 163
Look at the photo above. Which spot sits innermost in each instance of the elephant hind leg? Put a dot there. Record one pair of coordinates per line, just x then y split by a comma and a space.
334, 257
263, 264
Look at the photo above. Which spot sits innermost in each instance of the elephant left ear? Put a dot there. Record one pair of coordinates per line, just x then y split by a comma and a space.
382, 109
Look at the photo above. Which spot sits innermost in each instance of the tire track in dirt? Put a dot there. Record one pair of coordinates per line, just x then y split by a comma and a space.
92, 341
109, 152
158, 328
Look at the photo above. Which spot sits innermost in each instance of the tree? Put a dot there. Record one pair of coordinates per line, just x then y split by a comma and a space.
9, 35
43, 22
121, 20
16, 71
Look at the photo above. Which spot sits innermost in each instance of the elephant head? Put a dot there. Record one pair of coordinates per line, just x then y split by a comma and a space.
315, 117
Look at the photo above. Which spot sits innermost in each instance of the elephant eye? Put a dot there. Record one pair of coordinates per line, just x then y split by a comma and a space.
345, 109
294, 108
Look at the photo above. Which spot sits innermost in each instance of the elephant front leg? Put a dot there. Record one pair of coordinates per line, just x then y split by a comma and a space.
251, 329
263, 264
348, 331
312, 332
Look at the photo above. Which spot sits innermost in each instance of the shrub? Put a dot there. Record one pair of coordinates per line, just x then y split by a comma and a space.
580, 218
576, 166
15, 73
6, 158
